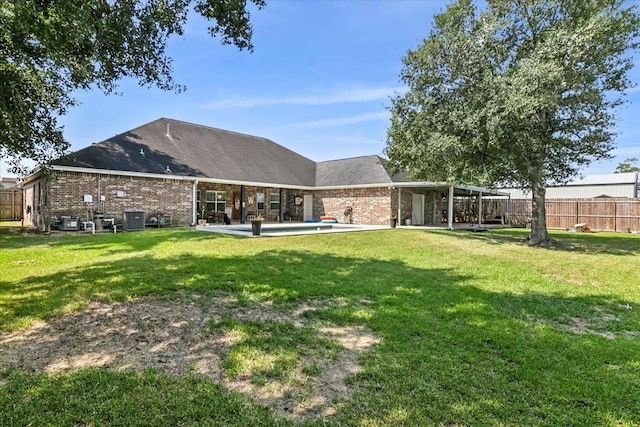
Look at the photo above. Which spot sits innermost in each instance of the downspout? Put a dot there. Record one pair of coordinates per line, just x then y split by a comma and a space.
450, 208
194, 214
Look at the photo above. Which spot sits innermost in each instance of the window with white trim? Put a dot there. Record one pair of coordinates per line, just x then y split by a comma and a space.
274, 201
216, 201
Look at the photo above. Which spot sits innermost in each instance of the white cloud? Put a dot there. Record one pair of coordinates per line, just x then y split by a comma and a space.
351, 95
338, 121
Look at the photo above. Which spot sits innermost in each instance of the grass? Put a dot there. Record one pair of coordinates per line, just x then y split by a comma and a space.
475, 328
270, 350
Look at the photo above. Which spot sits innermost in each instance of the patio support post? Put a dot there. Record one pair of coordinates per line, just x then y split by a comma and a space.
242, 204
399, 217
280, 211
434, 208
450, 208
480, 208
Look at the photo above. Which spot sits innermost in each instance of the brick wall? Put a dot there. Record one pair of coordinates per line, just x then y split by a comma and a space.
151, 195
375, 206
371, 206
433, 205
251, 206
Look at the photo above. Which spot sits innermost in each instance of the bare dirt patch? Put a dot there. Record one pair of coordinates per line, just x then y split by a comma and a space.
595, 324
172, 337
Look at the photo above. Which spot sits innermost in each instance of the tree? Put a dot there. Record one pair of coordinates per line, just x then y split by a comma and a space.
521, 93
50, 48
628, 166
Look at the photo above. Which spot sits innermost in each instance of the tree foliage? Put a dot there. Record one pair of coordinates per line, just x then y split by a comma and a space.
629, 165
51, 48
522, 92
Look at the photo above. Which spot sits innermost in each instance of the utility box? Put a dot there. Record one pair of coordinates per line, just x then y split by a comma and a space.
68, 223
132, 220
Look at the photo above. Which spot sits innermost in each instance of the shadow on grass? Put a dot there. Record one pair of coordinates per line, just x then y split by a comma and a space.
595, 243
127, 241
451, 353
278, 276
105, 397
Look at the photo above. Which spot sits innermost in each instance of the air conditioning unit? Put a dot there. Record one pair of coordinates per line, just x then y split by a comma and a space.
132, 220
69, 223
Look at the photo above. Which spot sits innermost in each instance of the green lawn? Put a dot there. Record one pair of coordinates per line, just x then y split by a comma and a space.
473, 328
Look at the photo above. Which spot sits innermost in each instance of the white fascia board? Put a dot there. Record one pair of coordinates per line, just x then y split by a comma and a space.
32, 176
255, 184
487, 191
416, 184
403, 184
121, 173
446, 185
175, 177
274, 185
354, 186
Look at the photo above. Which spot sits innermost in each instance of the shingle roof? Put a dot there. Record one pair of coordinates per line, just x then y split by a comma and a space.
194, 150
352, 172
197, 151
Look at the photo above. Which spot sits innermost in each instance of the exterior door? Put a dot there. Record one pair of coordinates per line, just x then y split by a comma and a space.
307, 207
417, 216
235, 212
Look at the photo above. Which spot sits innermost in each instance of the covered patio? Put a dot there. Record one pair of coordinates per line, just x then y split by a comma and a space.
452, 206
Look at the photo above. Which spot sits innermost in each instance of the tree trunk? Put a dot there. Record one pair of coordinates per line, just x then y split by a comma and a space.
539, 235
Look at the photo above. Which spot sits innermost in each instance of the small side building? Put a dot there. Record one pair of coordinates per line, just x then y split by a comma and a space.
615, 185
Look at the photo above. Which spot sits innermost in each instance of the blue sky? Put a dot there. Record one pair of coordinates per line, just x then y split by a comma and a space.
318, 82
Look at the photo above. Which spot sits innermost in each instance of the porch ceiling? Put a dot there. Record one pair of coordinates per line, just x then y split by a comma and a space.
458, 190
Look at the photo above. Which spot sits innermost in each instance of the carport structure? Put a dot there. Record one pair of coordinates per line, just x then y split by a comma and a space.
432, 203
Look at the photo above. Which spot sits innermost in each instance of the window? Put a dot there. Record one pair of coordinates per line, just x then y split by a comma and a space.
274, 201
216, 201
260, 200
198, 201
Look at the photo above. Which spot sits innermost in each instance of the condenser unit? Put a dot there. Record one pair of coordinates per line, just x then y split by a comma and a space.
132, 220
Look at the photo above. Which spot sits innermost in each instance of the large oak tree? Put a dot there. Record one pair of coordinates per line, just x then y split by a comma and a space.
51, 48
522, 92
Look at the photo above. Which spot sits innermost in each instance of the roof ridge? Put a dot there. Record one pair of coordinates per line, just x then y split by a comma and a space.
235, 133
209, 127
351, 158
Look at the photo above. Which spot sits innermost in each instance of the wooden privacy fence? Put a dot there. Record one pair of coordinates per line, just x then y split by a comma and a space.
10, 204
599, 214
